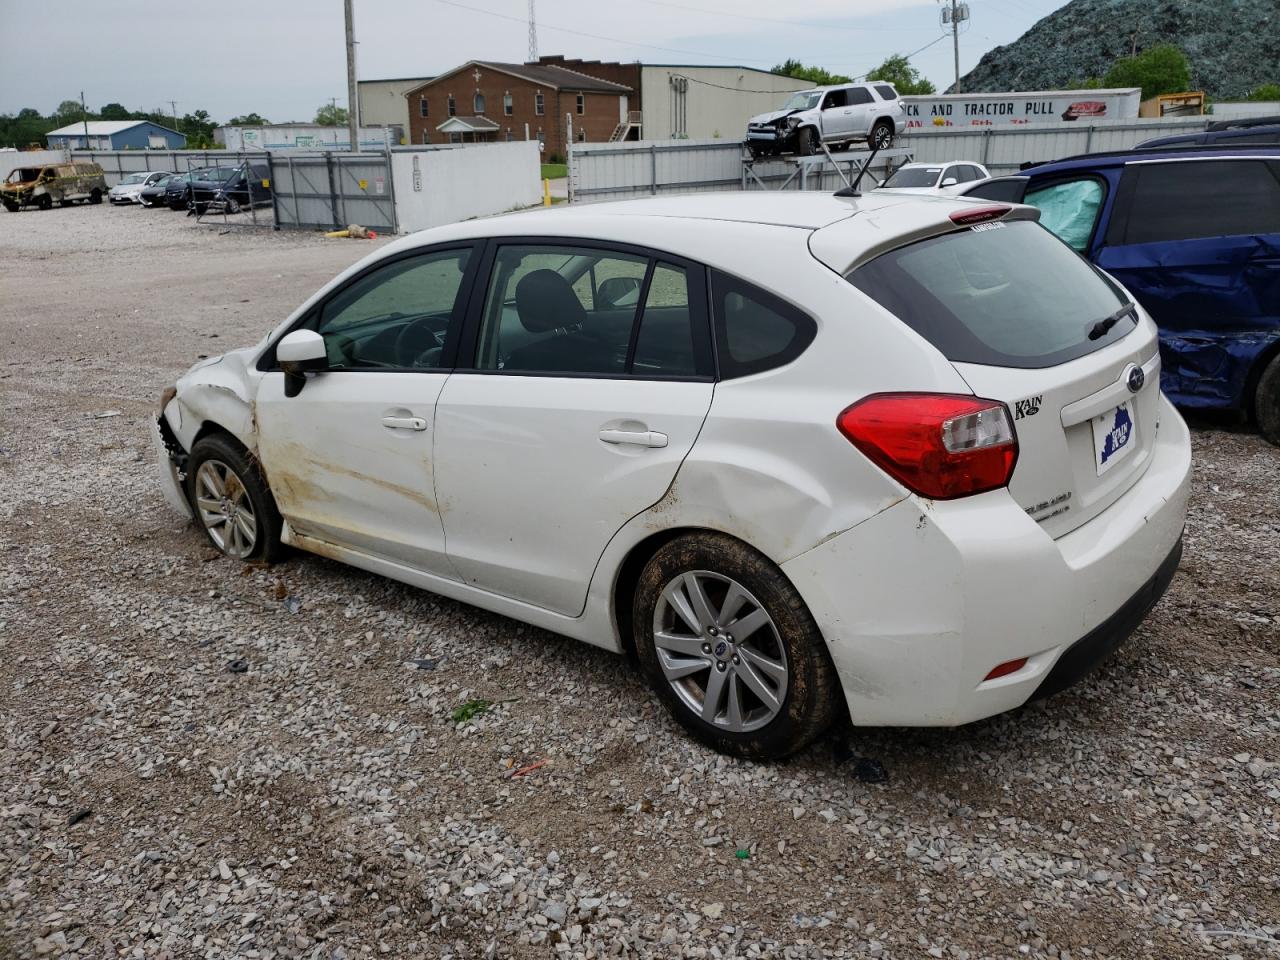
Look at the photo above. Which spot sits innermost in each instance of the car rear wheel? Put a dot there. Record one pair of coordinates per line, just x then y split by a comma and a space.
730, 648
882, 135
1266, 401
231, 500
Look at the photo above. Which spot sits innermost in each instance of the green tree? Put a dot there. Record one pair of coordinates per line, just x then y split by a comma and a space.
331, 115
69, 111
115, 111
198, 128
815, 75
28, 126
248, 120
905, 78
1159, 69
1268, 91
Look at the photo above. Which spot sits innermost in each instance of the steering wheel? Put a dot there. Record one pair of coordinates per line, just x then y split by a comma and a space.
411, 343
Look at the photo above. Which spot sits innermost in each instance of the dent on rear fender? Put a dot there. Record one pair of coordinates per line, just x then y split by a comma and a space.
220, 393
777, 507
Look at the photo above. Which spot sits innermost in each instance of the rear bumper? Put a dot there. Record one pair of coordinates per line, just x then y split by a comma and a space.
921, 601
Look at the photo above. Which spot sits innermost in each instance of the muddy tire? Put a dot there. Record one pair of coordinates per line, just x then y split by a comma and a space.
881, 135
808, 140
731, 650
231, 501
95, 196
1266, 401
45, 202
11, 206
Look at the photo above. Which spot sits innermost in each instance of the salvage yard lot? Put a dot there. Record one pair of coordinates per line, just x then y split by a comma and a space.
319, 800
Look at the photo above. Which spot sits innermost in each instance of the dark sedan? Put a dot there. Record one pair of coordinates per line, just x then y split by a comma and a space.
152, 195
177, 190
243, 186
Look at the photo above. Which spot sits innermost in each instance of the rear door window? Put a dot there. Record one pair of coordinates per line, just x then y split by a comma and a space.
1189, 200
1069, 208
859, 95
1007, 295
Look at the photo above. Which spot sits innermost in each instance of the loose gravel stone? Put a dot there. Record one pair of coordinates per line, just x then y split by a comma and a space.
324, 805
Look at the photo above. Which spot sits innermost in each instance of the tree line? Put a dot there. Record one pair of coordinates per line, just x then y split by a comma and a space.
29, 127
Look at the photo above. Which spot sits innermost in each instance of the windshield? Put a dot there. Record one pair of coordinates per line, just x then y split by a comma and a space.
1001, 294
220, 173
134, 178
915, 177
804, 100
23, 174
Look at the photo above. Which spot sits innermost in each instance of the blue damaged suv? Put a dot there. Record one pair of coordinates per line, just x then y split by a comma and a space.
1194, 234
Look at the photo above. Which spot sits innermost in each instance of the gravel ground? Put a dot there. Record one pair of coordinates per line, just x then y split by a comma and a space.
323, 802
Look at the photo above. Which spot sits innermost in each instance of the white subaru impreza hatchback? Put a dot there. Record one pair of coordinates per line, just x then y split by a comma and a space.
799, 454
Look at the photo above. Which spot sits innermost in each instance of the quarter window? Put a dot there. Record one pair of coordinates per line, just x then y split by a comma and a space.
755, 331
1069, 209
1190, 200
886, 92
396, 317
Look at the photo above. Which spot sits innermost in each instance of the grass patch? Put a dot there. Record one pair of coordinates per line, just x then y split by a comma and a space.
554, 171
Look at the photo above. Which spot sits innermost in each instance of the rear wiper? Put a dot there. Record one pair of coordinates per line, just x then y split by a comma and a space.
1100, 328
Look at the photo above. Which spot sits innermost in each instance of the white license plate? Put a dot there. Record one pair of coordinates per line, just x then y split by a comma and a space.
1114, 437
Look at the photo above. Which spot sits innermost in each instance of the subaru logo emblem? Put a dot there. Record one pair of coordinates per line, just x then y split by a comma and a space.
721, 647
1135, 378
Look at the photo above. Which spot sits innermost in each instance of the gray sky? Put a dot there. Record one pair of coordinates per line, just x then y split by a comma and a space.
237, 56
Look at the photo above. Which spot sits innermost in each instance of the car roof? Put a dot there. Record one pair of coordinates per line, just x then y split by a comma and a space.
1118, 158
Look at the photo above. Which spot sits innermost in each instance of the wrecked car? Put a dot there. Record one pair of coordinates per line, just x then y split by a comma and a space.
1195, 234
837, 116
61, 183
739, 435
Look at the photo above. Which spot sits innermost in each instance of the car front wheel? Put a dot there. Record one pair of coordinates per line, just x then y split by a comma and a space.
730, 648
808, 141
231, 500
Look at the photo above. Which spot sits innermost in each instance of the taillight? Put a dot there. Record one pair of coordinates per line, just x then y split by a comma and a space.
965, 218
941, 446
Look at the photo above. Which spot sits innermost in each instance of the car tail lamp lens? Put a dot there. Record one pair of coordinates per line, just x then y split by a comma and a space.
967, 218
940, 446
1006, 668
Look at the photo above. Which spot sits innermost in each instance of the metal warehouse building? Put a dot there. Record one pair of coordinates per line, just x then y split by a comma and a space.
116, 135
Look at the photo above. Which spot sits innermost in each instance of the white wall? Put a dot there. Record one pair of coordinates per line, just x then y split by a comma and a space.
477, 180
1225, 109
711, 110
11, 160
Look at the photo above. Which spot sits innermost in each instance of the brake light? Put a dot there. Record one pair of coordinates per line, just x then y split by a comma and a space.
941, 446
966, 218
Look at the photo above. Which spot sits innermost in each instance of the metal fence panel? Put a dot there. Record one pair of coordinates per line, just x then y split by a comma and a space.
616, 171
332, 190
118, 164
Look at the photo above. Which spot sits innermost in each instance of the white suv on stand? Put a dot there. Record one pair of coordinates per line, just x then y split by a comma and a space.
837, 116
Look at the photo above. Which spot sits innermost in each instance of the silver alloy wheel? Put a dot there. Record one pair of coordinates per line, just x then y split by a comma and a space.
883, 137
225, 509
720, 651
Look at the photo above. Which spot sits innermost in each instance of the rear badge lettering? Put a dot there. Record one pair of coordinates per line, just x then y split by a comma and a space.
979, 227
1056, 506
1028, 407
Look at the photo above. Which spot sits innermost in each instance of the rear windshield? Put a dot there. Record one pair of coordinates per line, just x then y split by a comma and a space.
914, 177
1001, 294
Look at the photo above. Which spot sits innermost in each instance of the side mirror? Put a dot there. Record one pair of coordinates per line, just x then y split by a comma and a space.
298, 352
614, 291
949, 182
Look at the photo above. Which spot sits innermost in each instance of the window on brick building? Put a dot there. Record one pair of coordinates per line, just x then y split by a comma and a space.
478, 103
582, 104
422, 107
538, 104
453, 106
507, 104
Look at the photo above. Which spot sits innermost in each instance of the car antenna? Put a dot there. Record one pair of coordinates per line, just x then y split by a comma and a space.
852, 190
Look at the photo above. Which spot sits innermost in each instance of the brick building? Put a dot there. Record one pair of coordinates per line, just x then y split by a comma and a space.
493, 101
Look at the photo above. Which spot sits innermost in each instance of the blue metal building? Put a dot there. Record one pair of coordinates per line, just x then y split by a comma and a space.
116, 135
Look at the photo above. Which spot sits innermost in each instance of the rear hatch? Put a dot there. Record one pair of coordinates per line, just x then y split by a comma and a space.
1026, 321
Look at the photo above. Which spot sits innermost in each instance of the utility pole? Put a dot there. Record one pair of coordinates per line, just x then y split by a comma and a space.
954, 15
84, 115
533, 35
173, 105
353, 111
